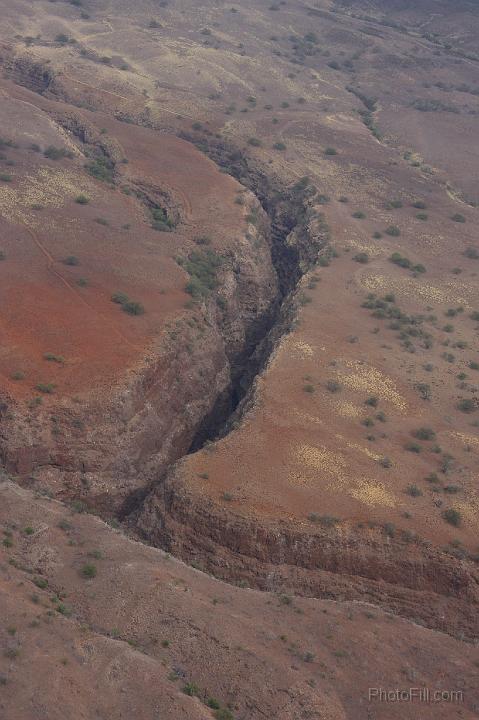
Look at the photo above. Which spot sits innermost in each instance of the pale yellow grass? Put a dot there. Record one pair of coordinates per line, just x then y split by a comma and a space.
373, 493
47, 187
371, 381
450, 292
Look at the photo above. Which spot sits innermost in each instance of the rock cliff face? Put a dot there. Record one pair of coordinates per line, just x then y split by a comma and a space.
401, 574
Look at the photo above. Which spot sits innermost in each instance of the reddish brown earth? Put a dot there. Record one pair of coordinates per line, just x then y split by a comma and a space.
128, 641
303, 436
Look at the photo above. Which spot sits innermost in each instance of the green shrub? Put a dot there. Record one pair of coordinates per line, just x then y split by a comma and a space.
419, 205
452, 516
398, 259
393, 231
202, 269
330, 151
414, 491
51, 357
458, 218
467, 405
4, 177
389, 529
89, 570
46, 388
120, 298
71, 260
101, 168
223, 714
279, 146
422, 216
452, 489
133, 308
54, 153
191, 689
333, 386
424, 433
40, 582
255, 142
160, 220
472, 253
359, 215
362, 258
419, 268
325, 520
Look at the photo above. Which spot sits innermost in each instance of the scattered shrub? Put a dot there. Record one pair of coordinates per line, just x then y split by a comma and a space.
160, 220
133, 308
202, 269
71, 260
414, 491
458, 218
101, 168
398, 259
393, 231
120, 298
452, 516
424, 433
89, 570
362, 258
467, 405
54, 153
46, 388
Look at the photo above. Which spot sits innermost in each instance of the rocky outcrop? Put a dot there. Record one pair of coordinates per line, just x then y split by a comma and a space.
402, 574
136, 430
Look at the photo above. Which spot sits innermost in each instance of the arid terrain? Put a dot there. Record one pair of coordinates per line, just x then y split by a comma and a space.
239, 368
